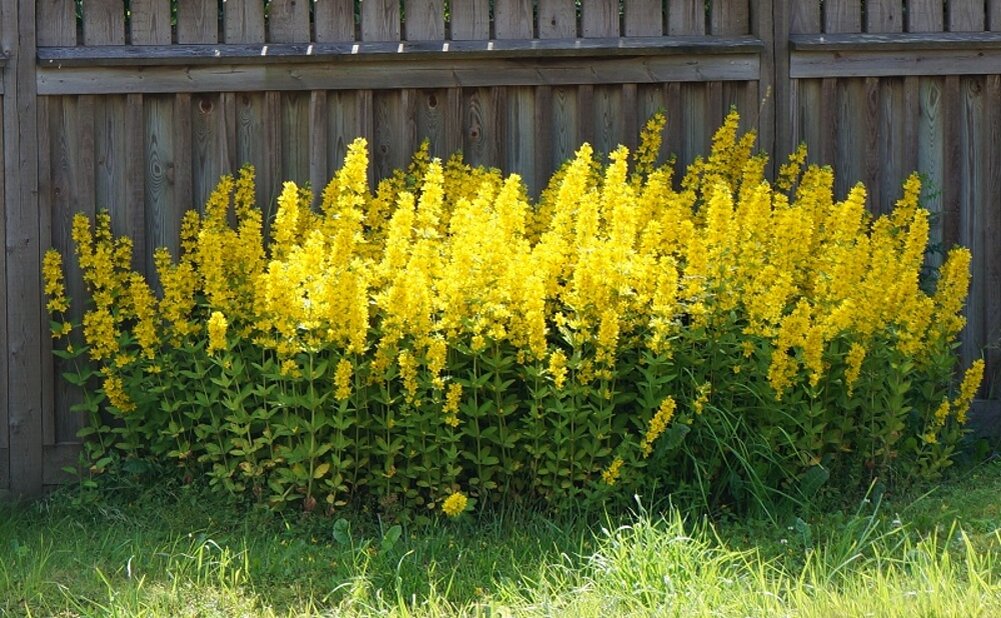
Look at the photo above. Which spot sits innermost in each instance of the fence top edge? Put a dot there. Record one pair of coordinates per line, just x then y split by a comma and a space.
895, 42
133, 55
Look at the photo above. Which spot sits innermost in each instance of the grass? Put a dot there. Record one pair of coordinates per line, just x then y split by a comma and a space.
177, 551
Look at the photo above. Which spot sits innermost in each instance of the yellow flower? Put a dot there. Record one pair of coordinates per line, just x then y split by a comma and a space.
658, 424
856, 354
968, 389
290, 368
455, 504
611, 474
558, 369
217, 326
453, 397
114, 390
342, 379
52, 273
703, 397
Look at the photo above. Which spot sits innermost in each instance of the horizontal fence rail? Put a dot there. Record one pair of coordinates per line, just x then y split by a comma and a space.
139, 107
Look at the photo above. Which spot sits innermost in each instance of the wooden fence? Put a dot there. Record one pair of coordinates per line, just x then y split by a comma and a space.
139, 111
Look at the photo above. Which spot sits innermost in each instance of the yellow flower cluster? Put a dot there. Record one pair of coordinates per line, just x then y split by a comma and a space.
455, 504
611, 474
52, 274
658, 424
217, 326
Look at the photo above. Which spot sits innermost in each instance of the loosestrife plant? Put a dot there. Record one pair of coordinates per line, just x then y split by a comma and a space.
444, 342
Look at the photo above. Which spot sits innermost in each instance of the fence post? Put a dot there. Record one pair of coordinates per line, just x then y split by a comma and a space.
763, 27
21, 373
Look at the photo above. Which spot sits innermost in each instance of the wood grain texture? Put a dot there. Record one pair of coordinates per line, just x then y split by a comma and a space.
520, 134
972, 208
843, 16
288, 21
470, 20
243, 21
380, 20
599, 18
425, 20
884, 16
729, 17
686, 17
431, 111
925, 16
642, 18
334, 20
198, 22
103, 22
149, 23
991, 233
564, 124
395, 74
395, 134
513, 19
48, 366
966, 15
804, 17
295, 137
211, 153
163, 221
557, 19
56, 23
343, 126
319, 167
482, 142
994, 15
21, 303
930, 152
804, 64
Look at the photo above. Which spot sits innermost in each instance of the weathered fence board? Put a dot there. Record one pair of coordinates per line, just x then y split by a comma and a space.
140, 113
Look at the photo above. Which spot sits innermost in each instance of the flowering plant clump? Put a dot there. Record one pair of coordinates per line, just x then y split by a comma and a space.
444, 337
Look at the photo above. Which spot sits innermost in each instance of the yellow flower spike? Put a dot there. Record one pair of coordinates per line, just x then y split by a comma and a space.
217, 326
52, 275
611, 474
455, 504
558, 369
853, 362
651, 137
342, 379
658, 424
968, 390
114, 390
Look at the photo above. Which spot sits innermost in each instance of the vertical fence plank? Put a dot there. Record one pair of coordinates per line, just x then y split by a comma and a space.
431, 109
71, 144
884, 16
21, 304
991, 231
642, 18
931, 150
243, 21
335, 20
380, 20
843, 16
513, 19
149, 23
994, 15
805, 17
686, 17
210, 149
198, 22
470, 20
564, 139
925, 16
319, 172
600, 18
48, 368
482, 121
342, 127
966, 16
295, 137
288, 21
103, 22
56, 23
558, 19
730, 17
425, 20
133, 215
974, 153
162, 227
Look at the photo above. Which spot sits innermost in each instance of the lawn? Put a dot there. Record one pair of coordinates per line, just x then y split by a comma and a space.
171, 550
